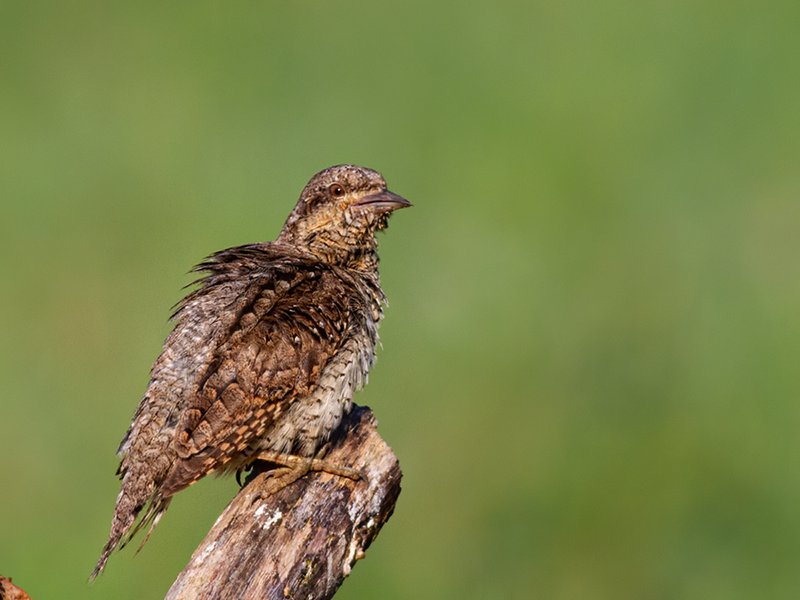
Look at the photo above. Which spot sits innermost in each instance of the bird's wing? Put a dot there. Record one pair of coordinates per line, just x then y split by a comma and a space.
251, 338
234, 280
294, 321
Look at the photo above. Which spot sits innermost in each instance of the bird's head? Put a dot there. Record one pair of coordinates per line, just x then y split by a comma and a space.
338, 213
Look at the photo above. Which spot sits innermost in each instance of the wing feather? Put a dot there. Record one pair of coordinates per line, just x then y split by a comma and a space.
272, 355
251, 339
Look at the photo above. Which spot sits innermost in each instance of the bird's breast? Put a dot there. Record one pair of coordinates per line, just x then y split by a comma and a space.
309, 422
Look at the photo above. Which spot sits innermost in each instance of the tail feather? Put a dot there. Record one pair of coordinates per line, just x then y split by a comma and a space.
122, 525
149, 520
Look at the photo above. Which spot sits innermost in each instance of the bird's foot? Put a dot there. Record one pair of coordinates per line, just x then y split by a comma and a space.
292, 467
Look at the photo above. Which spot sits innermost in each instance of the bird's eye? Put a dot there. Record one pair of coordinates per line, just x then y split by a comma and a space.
336, 190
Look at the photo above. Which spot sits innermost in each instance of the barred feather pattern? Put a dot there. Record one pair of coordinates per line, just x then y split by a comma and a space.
266, 353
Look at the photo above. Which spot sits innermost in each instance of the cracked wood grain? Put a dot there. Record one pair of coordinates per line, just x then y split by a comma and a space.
302, 541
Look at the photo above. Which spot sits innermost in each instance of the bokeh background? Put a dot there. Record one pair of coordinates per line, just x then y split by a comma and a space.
590, 363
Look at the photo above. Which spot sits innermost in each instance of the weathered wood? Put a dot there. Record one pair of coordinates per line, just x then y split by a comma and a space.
9, 591
302, 541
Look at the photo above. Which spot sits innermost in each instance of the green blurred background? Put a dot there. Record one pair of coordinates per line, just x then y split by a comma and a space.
590, 363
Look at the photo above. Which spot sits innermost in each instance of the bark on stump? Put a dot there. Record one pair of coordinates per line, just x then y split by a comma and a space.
302, 541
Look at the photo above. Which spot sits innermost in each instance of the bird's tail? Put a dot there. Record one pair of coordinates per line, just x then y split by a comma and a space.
129, 505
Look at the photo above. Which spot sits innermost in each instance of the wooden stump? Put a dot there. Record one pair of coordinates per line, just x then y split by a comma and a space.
302, 541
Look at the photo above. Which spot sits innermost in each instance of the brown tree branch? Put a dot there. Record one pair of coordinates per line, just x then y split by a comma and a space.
302, 541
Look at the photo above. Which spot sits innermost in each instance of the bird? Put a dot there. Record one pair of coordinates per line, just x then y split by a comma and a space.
265, 354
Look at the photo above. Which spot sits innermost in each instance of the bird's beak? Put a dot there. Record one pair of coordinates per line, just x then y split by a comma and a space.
385, 200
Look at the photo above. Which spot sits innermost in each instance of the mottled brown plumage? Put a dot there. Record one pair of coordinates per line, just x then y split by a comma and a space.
266, 353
